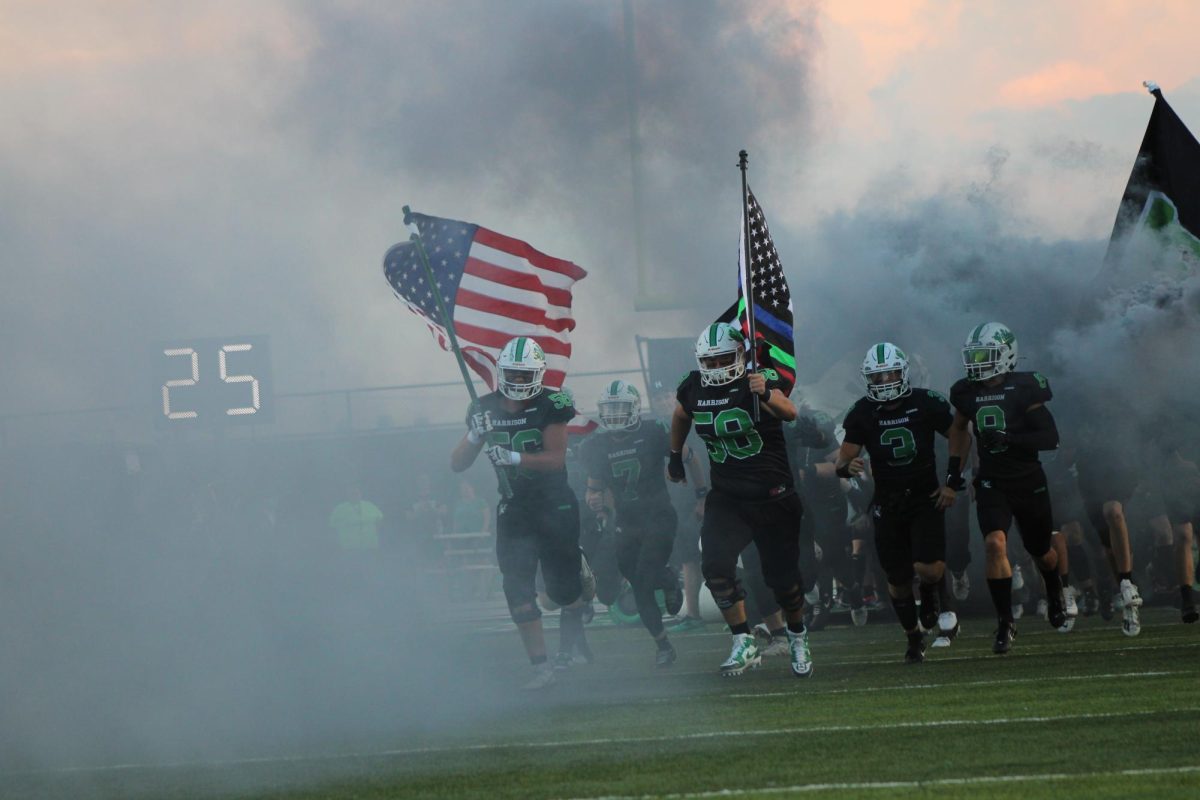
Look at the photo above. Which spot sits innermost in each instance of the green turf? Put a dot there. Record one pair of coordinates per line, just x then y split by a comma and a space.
1093, 714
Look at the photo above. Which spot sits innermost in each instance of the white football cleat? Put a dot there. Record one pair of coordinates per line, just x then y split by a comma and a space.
1043, 609
948, 629
859, 616
742, 657
1130, 597
1131, 621
543, 676
1018, 610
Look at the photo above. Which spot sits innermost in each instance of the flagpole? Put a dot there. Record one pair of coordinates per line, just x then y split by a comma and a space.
448, 324
748, 290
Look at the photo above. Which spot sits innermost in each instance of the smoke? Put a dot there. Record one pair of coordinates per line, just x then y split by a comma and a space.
242, 170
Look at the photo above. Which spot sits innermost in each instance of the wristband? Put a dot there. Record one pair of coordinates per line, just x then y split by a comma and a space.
954, 478
843, 471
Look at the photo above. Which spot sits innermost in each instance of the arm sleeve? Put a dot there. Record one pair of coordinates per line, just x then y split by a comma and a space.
1041, 433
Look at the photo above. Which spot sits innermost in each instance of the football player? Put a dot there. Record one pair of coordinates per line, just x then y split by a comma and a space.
523, 431
627, 457
1107, 481
753, 498
1008, 412
897, 425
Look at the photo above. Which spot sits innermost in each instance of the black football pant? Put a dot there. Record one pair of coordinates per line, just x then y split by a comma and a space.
545, 530
644, 545
731, 524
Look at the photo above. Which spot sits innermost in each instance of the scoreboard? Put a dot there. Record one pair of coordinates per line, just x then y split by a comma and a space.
213, 381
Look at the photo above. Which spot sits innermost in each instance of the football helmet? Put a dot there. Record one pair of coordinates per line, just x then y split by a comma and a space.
619, 406
721, 354
990, 350
885, 369
521, 367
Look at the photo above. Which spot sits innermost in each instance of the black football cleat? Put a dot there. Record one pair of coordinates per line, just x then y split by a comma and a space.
1189, 614
1056, 612
1004, 636
915, 653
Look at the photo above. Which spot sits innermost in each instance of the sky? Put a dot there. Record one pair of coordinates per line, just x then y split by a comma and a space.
183, 170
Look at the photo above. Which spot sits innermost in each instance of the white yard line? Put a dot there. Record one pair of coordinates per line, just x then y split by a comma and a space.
934, 782
624, 740
955, 684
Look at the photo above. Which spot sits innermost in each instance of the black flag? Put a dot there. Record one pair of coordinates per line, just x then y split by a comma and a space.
1161, 204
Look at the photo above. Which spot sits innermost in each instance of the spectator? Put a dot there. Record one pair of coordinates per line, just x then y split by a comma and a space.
356, 521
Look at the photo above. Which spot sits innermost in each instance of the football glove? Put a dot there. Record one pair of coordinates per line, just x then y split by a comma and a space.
478, 426
501, 457
675, 467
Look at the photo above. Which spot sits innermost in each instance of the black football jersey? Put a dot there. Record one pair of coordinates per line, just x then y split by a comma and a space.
631, 463
746, 460
1002, 407
521, 431
900, 440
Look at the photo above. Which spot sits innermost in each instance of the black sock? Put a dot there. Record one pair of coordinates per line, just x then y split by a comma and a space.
1053, 584
906, 612
535, 660
1065, 579
1125, 576
1185, 592
796, 627
1001, 589
741, 627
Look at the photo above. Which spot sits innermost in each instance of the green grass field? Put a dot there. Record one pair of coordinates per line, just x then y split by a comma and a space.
1092, 714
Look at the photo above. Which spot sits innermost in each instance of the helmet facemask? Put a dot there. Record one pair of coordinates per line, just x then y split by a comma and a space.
618, 415
619, 407
887, 384
982, 362
521, 384
719, 369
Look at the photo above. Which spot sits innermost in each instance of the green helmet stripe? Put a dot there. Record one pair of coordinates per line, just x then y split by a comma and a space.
879, 349
975, 333
712, 335
520, 350
613, 388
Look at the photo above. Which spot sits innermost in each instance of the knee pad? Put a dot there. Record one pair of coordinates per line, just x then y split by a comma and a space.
525, 613
791, 599
726, 594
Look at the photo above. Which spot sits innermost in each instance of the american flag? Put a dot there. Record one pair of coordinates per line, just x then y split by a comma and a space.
772, 298
494, 288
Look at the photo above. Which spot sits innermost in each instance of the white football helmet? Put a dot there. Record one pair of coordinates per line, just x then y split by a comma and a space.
885, 369
619, 406
991, 350
721, 354
521, 367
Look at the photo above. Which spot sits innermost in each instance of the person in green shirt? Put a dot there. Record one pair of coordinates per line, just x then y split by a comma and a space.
356, 522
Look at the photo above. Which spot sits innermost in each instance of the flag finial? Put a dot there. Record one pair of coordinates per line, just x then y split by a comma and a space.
1151, 87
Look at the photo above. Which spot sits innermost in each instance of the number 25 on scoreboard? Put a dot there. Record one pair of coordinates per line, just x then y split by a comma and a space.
211, 380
